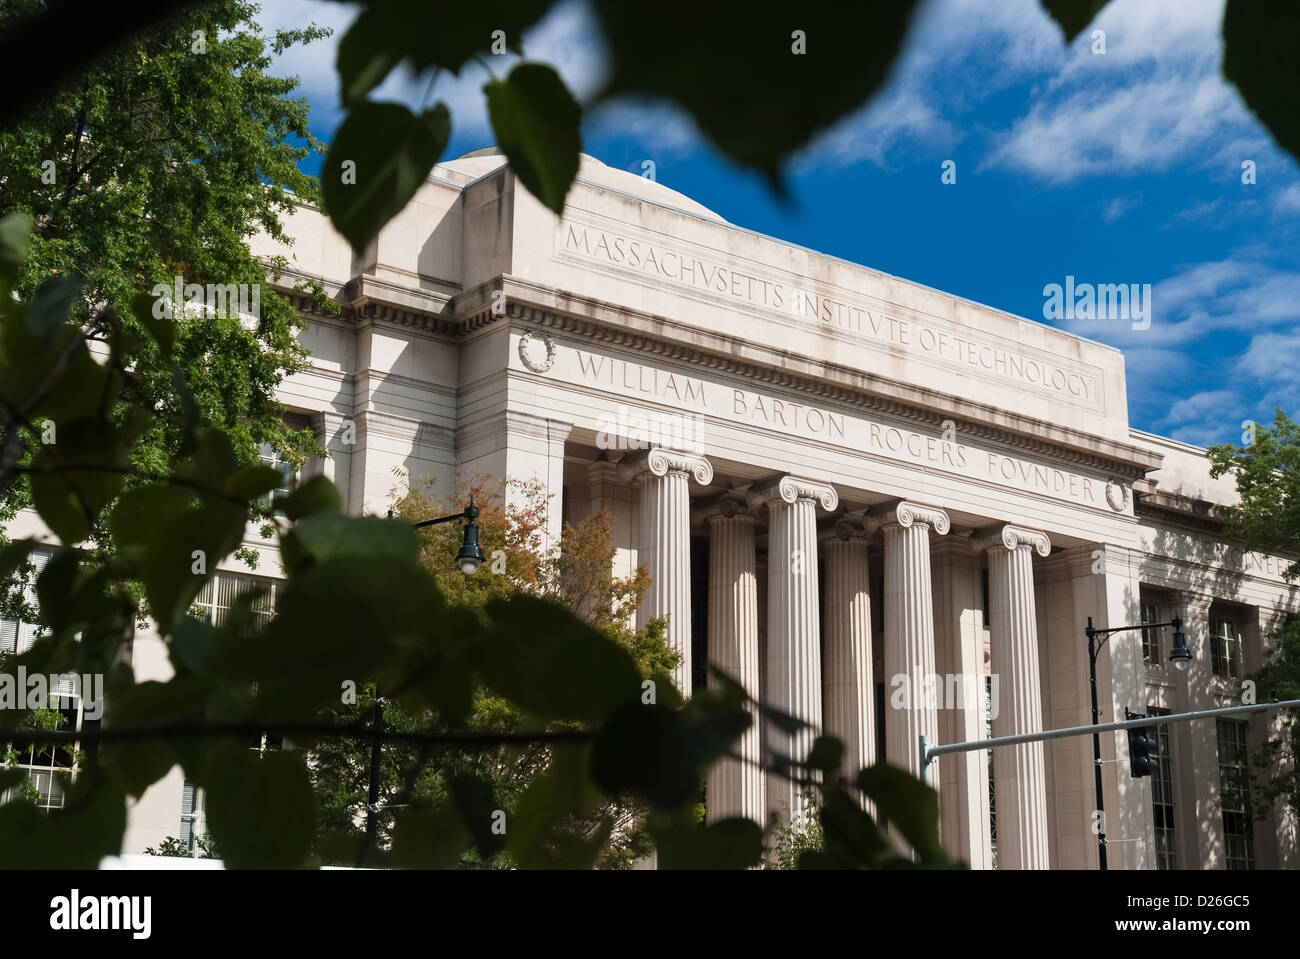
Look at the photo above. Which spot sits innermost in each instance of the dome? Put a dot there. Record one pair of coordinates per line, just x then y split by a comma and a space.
479, 163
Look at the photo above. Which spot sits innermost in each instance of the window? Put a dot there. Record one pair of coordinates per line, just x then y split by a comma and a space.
988, 733
16, 635
1162, 794
1234, 796
49, 767
215, 600
220, 592
1225, 648
272, 458
1150, 637
189, 815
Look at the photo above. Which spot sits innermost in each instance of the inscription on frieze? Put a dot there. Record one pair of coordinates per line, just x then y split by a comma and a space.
680, 391
920, 337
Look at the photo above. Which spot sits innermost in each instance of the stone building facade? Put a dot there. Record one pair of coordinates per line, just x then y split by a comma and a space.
882, 508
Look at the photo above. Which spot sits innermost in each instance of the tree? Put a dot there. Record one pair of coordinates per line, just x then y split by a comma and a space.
1267, 519
578, 575
153, 460
159, 164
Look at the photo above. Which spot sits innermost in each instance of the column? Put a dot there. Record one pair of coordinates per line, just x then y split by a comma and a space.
665, 543
959, 656
1195, 744
848, 686
909, 632
735, 787
794, 679
1020, 785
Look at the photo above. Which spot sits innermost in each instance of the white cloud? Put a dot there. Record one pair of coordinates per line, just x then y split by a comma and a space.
1288, 200
1115, 208
1208, 404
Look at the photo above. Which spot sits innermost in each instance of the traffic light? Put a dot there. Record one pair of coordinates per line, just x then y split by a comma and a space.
1142, 747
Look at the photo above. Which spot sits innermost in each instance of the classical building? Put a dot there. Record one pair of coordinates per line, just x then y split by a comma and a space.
882, 508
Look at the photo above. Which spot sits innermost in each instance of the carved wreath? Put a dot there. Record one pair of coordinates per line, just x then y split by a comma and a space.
525, 351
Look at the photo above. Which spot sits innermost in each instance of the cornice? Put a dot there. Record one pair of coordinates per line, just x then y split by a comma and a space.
1181, 510
924, 407
366, 298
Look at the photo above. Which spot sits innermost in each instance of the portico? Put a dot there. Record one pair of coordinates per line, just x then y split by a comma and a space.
882, 509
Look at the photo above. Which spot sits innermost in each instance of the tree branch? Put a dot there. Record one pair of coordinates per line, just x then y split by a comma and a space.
68, 38
172, 729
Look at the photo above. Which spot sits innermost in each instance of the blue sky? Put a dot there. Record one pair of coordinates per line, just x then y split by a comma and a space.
1122, 167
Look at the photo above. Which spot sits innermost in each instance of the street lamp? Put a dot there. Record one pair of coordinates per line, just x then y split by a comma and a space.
1180, 656
468, 558
470, 555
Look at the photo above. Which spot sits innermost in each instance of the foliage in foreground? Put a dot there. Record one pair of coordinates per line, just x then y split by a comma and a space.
357, 609
1267, 519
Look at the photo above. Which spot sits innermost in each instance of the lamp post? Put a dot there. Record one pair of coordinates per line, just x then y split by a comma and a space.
469, 558
1180, 656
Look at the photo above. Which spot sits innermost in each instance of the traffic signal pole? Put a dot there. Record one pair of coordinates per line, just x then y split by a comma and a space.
929, 753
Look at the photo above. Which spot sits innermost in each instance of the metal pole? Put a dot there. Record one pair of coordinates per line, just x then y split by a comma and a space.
934, 752
1096, 747
376, 742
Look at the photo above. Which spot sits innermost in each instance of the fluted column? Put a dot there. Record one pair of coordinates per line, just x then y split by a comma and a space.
848, 685
909, 633
665, 543
1020, 788
735, 787
794, 679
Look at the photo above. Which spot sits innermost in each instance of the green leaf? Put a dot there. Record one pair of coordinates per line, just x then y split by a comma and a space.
539, 834
88, 827
261, 810
726, 844
250, 482
712, 60
77, 476
1073, 15
537, 123
781, 720
851, 839
548, 661
14, 555
145, 308
429, 838
826, 754
661, 754
910, 806
480, 812
392, 151
15, 234
314, 495
335, 622
387, 31
48, 311
327, 536
367, 53
1259, 58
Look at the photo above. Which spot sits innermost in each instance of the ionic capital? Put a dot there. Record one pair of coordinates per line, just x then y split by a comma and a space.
1011, 538
661, 462
845, 527
904, 513
791, 489
729, 505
